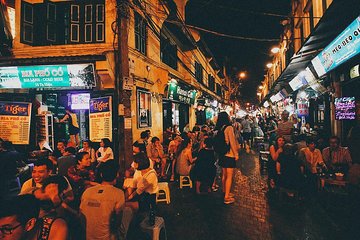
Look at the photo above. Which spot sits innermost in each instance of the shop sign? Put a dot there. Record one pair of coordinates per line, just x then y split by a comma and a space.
302, 108
345, 108
344, 47
15, 122
47, 76
178, 93
100, 119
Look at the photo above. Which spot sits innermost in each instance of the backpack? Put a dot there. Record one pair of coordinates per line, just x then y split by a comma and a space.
220, 145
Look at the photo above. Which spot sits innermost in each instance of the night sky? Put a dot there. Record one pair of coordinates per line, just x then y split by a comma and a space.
237, 17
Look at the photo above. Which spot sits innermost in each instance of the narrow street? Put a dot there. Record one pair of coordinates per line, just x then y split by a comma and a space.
254, 215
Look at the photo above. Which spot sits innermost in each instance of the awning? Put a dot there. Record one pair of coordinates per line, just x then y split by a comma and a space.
336, 18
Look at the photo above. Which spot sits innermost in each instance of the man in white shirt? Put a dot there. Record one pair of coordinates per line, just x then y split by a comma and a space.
102, 205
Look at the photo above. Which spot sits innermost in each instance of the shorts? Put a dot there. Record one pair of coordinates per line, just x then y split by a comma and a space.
227, 162
73, 130
246, 136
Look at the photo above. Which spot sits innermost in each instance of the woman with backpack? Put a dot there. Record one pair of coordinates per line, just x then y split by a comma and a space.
227, 147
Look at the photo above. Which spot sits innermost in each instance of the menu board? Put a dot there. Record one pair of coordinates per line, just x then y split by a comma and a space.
15, 122
345, 108
100, 119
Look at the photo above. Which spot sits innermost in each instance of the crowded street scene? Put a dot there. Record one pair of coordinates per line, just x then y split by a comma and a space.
179, 119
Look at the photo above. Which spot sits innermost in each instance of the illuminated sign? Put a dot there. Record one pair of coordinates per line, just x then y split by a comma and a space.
344, 47
345, 108
100, 119
178, 93
47, 76
15, 122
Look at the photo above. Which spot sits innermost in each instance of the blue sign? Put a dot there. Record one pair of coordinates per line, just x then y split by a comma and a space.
100, 104
14, 109
344, 47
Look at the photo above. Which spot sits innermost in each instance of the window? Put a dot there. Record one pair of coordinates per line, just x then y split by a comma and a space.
199, 72
51, 34
211, 81
140, 33
87, 22
311, 16
63, 22
218, 89
168, 52
27, 23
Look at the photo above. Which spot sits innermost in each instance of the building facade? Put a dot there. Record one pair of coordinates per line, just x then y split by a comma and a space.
170, 77
310, 75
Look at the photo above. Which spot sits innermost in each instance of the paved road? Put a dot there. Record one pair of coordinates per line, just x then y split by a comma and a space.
255, 215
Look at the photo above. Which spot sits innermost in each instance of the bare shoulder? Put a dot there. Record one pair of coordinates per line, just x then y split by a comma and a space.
59, 230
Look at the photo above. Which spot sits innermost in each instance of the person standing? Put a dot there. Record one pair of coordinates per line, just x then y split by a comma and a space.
172, 150
285, 127
275, 151
246, 130
74, 128
228, 161
155, 153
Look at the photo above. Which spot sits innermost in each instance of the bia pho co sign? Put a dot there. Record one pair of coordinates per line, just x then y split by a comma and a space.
177, 93
344, 47
47, 76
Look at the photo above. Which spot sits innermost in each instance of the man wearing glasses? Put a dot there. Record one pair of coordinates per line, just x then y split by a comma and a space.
18, 218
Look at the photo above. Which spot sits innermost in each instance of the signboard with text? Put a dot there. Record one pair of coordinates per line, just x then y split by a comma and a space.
47, 76
344, 47
15, 122
100, 119
180, 94
345, 108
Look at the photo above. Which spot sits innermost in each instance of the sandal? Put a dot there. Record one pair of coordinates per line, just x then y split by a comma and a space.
229, 200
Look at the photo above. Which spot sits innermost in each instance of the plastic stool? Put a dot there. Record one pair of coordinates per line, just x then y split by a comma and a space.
185, 181
158, 231
163, 194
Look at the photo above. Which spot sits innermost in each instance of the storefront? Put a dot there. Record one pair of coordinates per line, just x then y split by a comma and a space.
339, 64
206, 109
48, 90
177, 105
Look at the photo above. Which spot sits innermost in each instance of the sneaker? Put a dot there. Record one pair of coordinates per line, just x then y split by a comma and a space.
229, 200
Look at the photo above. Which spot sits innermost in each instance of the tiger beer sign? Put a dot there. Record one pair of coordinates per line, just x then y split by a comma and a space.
100, 119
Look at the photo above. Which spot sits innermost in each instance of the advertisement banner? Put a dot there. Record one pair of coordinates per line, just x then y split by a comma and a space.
344, 47
47, 76
178, 93
100, 119
15, 122
302, 108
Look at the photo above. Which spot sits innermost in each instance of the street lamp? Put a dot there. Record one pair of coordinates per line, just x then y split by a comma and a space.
275, 50
269, 65
242, 75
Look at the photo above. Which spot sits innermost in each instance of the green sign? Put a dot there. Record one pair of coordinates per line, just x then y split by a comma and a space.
47, 76
178, 93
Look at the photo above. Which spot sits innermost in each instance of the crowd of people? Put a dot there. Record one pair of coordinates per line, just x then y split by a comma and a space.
78, 193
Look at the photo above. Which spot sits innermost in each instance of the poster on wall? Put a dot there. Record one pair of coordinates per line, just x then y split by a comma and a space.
144, 109
15, 122
345, 108
100, 119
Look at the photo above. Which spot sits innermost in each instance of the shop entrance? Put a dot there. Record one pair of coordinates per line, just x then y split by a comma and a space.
175, 114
